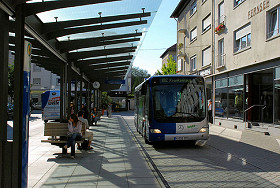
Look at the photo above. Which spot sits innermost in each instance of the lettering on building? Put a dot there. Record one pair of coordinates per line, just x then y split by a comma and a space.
259, 8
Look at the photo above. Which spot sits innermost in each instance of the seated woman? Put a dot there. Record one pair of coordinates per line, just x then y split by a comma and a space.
74, 128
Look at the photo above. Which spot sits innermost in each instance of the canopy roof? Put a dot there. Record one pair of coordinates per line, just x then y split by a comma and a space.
99, 38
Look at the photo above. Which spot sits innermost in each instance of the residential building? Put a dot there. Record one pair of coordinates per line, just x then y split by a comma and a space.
171, 51
194, 39
245, 66
40, 81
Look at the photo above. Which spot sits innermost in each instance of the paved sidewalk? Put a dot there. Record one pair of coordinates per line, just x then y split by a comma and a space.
116, 161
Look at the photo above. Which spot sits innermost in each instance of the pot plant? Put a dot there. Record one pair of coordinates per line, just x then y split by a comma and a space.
220, 28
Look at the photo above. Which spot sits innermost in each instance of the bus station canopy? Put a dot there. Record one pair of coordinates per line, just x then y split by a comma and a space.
99, 39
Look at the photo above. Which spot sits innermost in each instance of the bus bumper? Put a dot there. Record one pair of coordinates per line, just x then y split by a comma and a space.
202, 137
190, 136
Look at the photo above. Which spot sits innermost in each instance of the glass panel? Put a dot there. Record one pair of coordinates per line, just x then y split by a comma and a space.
235, 102
206, 57
235, 81
277, 102
193, 7
206, 23
221, 13
243, 42
277, 73
221, 102
249, 40
183, 101
221, 83
273, 24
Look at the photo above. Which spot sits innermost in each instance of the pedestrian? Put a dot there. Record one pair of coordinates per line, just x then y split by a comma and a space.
109, 110
72, 108
74, 133
96, 115
84, 108
88, 133
210, 118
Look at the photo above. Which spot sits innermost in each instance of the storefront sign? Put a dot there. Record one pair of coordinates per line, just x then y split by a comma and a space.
222, 83
235, 80
259, 8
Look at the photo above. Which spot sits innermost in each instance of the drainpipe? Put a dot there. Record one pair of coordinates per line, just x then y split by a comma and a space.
213, 60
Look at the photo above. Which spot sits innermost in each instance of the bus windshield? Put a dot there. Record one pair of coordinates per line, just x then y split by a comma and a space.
179, 100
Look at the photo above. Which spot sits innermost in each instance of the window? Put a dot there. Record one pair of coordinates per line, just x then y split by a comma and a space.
36, 81
221, 13
206, 56
243, 38
237, 2
274, 23
193, 7
180, 64
193, 63
193, 34
221, 55
203, 1
36, 68
58, 81
206, 23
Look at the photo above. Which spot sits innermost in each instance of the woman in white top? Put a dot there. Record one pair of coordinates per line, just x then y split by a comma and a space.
75, 133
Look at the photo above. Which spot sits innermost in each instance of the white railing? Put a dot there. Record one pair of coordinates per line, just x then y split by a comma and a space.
221, 60
220, 20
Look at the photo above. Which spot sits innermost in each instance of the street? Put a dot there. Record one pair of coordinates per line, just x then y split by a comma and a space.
221, 162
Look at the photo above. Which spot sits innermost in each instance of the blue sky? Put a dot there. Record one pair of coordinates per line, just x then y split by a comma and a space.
160, 36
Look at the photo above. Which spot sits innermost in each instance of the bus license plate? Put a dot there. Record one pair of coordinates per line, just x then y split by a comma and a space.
180, 138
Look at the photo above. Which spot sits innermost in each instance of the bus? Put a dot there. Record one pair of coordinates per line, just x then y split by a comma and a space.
172, 108
50, 105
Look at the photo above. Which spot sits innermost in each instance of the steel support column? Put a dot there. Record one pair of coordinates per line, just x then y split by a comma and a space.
5, 171
76, 95
18, 103
81, 91
69, 89
62, 91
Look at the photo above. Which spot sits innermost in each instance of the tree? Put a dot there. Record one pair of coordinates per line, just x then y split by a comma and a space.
169, 68
138, 75
105, 100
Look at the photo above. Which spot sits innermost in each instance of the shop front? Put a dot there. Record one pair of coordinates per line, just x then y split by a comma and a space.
249, 98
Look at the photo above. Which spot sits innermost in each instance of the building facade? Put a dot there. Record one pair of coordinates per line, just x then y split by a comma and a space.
41, 80
171, 51
245, 67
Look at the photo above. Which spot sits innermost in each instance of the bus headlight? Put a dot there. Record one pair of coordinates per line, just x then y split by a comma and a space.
203, 130
157, 131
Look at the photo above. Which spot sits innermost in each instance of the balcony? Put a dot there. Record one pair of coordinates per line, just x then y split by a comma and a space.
221, 61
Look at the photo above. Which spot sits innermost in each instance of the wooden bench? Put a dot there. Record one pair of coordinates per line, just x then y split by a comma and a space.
57, 132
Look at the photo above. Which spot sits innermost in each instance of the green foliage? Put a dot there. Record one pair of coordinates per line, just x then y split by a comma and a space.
105, 100
168, 69
11, 81
138, 75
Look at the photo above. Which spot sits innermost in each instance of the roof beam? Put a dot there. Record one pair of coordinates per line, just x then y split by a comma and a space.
89, 44
34, 8
61, 25
104, 65
104, 60
97, 53
71, 31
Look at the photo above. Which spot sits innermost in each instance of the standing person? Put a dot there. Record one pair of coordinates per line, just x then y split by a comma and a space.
88, 133
74, 128
72, 108
210, 118
84, 108
109, 110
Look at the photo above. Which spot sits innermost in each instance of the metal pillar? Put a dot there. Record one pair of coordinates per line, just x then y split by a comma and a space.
18, 105
81, 91
62, 91
76, 94
87, 101
69, 89
5, 171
